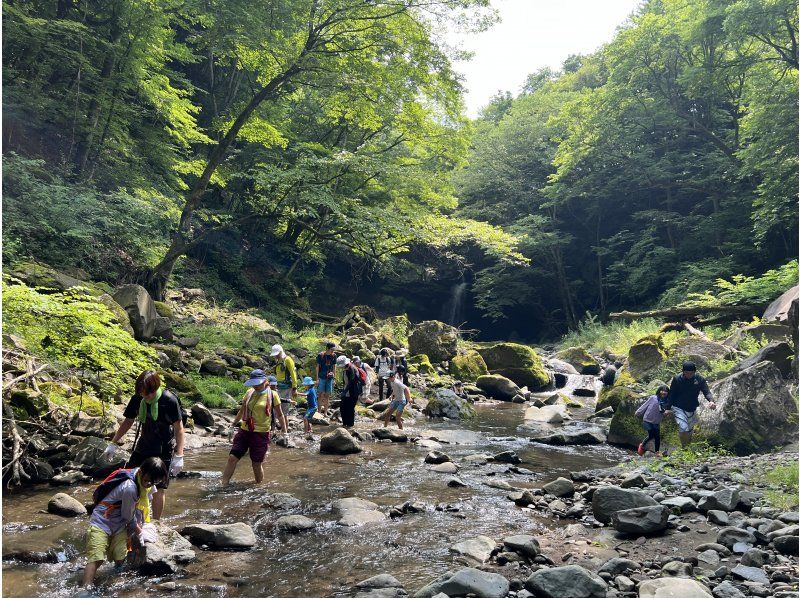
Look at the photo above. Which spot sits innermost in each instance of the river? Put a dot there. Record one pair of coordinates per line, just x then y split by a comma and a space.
329, 559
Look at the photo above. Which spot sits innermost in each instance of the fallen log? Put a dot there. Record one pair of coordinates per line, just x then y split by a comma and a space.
690, 312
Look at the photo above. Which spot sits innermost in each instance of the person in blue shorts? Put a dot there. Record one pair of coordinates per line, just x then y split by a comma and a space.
326, 370
401, 394
311, 402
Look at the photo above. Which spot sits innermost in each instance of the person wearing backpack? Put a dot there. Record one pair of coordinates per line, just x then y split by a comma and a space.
367, 378
286, 373
402, 397
159, 433
353, 380
401, 361
384, 365
326, 372
121, 508
253, 422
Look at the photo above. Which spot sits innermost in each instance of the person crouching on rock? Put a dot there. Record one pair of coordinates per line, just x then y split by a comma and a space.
402, 396
254, 421
122, 507
160, 431
684, 391
652, 411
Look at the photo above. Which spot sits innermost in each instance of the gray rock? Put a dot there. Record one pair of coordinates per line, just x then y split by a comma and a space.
641, 521
789, 517
383, 580
477, 583
294, 523
435, 339
339, 442
456, 482
728, 536
87, 425
353, 512
618, 565
708, 559
435, 458
570, 435
214, 366
202, 415
754, 558
392, 434
571, 580
791, 530
523, 544
718, 517
164, 556
677, 569
478, 549
778, 310
718, 548
673, 587
787, 545
755, 574
446, 467
634, 480
722, 500
281, 501
141, 310
235, 536
497, 387
727, 590
778, 352
682, 504
607, 500
560, 487
446, 403
65, 505
69, 478
507, 457
624, 584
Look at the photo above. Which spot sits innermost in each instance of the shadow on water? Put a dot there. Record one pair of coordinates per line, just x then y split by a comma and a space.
329, 559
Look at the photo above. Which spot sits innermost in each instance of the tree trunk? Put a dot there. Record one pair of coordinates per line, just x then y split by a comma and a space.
677, 312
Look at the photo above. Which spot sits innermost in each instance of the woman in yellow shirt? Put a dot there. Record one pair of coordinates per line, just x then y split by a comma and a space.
253, 421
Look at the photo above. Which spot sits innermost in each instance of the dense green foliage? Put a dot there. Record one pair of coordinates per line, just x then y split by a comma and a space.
76, 331
294, 153
661, 163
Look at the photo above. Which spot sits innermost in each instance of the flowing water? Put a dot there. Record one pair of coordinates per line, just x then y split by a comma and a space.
451, 311
330, 558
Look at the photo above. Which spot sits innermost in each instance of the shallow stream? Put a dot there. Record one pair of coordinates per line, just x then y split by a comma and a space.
331, 558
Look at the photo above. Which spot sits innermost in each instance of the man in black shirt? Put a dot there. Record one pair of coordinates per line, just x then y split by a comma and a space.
160, 433
683, 399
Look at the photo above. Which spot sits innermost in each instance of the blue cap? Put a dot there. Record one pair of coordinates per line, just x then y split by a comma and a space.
308, 381
272, 380
256, 377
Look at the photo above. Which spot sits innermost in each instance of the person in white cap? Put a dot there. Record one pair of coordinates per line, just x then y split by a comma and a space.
353, 385
287, 379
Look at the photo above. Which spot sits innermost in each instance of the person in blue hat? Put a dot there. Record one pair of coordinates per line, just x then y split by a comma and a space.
311, 402
254, 422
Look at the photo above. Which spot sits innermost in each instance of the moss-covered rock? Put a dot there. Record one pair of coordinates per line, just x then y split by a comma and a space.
446, 403
186, 390
468, 366
645, 356
516, 362
32, 402
120, 315
437, 340
163, 310
420, 364
580, 359
612, 396
626, 429
699, 350
356, 346
498, 387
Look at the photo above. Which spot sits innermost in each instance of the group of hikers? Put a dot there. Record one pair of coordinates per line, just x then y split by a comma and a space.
121, 519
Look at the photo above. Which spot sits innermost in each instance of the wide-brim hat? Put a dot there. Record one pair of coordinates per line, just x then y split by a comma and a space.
256, 377
308, 381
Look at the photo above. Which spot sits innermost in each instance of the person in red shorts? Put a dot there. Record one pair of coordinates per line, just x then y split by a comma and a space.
254, 421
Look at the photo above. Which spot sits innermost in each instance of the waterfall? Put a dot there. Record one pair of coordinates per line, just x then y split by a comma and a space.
454, 304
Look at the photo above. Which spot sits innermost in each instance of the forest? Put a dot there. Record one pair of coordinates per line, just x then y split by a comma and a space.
301, 155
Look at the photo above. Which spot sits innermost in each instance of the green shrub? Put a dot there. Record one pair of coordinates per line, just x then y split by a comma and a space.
214, 388
747, 290
614, 336
77, 331
783, 486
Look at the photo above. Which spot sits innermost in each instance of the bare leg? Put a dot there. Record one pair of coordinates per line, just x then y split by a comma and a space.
387, 417
323, 402
258, 472
89, 572
399, 417
159, 498
230, 467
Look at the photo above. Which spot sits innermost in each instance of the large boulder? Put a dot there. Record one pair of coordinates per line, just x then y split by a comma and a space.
673, 587
88, 425
625, 429
516, 362
339, 442
120, 314
769, 331
699, 350
446, 403
164, 556
549, 414
579, 434
607, 500
353, 511
580, 359
478, 549
228, 536
421, 364
140, 308
437, 340
88, 456
778, 310
467, 582
778, 352
468, 366
755, 411
498, 387
641, 521
645, 356
572, 580
65, 505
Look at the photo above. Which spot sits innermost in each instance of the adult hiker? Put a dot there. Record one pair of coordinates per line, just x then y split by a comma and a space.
326, 372
401, 361
159, 432
368, 373
402, 396
121, 509
286, 374
384, 365
352, 381
684, 391
254, 421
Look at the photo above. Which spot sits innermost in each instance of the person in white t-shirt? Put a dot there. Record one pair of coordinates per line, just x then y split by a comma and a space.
402, 396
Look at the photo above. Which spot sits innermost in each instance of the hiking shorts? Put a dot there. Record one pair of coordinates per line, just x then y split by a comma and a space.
325, 385
138, 458
684, 419
397, 405
256, 442
100, 546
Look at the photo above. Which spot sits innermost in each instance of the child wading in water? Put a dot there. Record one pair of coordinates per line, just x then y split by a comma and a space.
311, 402
122, 507
401, 397
652, 412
